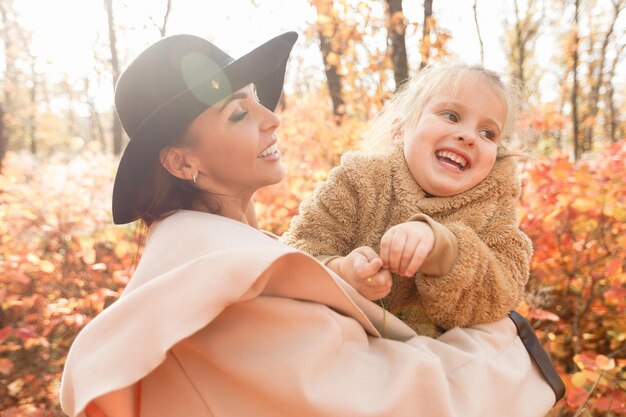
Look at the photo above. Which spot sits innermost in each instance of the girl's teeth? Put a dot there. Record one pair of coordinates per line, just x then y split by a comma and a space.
453, 157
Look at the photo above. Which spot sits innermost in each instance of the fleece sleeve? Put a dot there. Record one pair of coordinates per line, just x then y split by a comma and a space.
327, 223
489, 275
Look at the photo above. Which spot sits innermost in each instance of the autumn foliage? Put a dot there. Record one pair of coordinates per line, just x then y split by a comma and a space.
576, 216
62, 261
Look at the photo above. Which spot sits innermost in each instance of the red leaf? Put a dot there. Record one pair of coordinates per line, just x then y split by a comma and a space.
613, 401
4, 333
576, 397
26, 332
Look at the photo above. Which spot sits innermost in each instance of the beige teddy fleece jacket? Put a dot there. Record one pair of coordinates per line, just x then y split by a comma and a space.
479, 265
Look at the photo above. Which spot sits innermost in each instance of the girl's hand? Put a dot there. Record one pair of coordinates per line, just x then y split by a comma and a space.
362, 269
404, 247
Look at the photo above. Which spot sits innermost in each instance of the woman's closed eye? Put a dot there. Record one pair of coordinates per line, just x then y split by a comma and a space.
238, 115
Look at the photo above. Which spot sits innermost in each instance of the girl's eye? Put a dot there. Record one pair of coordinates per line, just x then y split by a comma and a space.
488, 134
450, 115
238, 116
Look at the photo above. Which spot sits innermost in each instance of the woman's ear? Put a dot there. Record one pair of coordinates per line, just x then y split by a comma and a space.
176, 162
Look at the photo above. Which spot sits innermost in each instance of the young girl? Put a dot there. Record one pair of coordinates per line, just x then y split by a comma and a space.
434, 212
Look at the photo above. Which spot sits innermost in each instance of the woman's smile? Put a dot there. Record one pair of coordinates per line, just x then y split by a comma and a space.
271, 153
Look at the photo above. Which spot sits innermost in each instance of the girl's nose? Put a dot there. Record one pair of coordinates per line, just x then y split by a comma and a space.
467, 137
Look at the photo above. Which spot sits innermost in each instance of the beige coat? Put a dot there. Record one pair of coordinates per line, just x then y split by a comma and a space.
479, 266
221, 320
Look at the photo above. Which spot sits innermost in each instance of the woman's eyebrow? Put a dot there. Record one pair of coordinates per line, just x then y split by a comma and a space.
235, 96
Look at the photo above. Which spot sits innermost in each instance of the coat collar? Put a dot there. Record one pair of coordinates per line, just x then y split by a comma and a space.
501, 180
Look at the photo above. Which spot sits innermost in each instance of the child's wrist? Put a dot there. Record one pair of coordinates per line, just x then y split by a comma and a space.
335, 264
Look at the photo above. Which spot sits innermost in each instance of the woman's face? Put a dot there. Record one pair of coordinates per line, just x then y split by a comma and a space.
234, 146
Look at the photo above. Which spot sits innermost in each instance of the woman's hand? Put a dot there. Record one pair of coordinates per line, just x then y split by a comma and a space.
404, 247
362, 269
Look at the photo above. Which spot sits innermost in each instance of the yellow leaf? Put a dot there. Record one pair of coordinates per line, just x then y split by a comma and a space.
33, 259
89, 256
585, 226
605, 363
620, 213
579, 379
563, 199
122, 248
15, 387
332, 59
47, 266
584, 204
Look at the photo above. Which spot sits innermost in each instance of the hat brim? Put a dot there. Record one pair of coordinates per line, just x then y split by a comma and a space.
264, 66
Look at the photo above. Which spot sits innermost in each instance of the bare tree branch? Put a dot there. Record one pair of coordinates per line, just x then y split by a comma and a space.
480, 39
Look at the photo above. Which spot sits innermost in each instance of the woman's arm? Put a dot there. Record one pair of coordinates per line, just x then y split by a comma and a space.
120, 403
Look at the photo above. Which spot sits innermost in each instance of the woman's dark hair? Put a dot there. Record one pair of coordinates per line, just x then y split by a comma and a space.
161, 194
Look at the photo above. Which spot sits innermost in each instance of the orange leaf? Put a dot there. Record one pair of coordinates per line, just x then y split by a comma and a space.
539, 314
5, 366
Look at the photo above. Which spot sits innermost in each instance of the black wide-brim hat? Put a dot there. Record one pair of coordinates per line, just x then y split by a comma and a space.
170, 84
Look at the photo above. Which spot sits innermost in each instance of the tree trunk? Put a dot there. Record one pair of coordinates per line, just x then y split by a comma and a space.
574, 97
95, 126
4, 141
331, 54
9, 73
426, 28
397, 31
480, 38
117, 126
610, 96
597, 81
32, 123
520, 45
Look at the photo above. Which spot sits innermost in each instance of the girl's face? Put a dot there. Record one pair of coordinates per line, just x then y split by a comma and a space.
454, 145
234, 147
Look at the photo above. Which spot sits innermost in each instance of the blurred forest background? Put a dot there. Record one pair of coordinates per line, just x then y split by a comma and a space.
62, 261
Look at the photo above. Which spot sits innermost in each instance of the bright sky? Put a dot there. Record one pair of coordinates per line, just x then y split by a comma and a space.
65, 44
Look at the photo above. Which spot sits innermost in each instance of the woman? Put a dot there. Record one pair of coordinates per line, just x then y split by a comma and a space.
222, 320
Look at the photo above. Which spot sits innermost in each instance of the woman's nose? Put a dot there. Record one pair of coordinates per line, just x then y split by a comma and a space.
270, 120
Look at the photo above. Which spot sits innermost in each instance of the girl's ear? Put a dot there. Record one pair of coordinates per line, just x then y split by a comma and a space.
177, 162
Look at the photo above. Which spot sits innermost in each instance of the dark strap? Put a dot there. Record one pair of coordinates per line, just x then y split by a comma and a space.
539, 356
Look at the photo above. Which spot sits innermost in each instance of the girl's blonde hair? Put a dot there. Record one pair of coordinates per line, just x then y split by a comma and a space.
403, 111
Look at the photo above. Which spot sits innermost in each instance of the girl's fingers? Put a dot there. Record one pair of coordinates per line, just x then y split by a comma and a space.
395, 251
